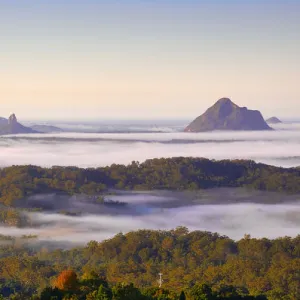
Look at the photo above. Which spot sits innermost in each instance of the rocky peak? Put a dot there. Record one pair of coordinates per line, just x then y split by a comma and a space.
12, 126
12, 119
273, 120
224, 101
223, 107
226, 115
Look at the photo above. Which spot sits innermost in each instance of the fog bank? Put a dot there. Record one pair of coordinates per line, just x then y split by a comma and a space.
164, 212
280, 147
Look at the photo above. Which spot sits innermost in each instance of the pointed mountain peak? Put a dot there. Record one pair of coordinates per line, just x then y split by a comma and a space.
223, 107
224, 101
12, 126
226, 115
12, 119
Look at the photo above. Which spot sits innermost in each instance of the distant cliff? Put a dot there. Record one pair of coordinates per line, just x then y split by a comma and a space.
273, 120
12, 126
3, 121
226, 115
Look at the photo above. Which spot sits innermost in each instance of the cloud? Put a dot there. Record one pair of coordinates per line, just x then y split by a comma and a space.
279, 147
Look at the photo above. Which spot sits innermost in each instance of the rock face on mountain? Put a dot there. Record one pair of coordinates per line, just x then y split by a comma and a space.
225, 115
273, 120
3, 121
12, 126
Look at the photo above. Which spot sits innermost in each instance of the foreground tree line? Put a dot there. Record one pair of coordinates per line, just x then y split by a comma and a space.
92, 287
195, 265
179, 173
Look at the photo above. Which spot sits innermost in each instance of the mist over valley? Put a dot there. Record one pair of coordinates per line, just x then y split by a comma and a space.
76, 220
150, 150
280, 147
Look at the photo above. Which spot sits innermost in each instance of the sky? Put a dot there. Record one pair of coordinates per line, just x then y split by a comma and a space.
147, 59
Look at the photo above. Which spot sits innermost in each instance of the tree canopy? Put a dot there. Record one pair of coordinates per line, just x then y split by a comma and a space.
179, 173
198, 263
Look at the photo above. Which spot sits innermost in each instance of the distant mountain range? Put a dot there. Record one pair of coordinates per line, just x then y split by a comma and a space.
226, 115
12, 126
223, 115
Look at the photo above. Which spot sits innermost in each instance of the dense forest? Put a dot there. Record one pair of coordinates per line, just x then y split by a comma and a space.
18, 182
195, 265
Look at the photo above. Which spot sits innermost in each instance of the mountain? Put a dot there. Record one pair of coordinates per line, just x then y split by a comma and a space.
46, 128
12, 126
273, 120
3, 121
226, 115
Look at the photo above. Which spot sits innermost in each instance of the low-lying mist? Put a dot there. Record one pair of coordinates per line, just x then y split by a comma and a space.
231, 212
280, 147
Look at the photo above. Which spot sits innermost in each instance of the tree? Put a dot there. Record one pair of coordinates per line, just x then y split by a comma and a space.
67, 281
126, 292
51, 293
103, 293
228, 292
202, 292
182, 296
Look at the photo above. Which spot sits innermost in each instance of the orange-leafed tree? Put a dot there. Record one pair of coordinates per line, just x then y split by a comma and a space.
66, 281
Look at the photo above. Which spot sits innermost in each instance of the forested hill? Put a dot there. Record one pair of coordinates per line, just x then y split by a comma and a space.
179, 173
251, 266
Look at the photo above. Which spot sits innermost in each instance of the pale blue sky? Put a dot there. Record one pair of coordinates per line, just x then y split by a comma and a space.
147, 59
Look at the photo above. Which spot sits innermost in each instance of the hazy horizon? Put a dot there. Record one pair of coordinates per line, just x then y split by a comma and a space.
146, 59
93, 146
84, 119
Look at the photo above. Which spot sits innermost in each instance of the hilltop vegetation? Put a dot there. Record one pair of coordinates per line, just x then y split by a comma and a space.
249, 267
179, 173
